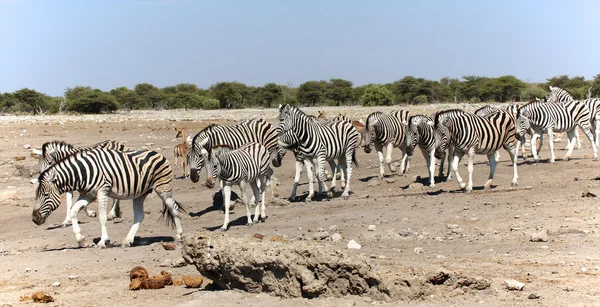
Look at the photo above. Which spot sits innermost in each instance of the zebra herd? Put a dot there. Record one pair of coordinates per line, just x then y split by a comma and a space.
245, 153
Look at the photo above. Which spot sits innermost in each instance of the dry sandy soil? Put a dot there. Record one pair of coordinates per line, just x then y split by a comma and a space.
485, 233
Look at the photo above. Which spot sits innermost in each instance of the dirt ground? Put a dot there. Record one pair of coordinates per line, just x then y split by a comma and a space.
485, 233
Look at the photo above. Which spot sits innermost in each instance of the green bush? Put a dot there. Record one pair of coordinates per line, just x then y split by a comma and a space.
376, 95
421, 99
95, 103
209, 103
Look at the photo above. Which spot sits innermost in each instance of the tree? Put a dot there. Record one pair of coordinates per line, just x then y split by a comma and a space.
339, 90
95, 102
311, 92
595, 91
577, 86
150, 95
508, 88
406, 89
34, 100
8, 101
127, 98
227, 93
376, 95
269, 93
531, 91
77, 92
357, 93
454, 85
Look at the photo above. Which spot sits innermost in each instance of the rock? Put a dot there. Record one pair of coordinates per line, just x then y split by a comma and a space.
179, 263
533, 296
390, 180
353, 245
456, 292
280, 202
440, 257
41, 297
321, 235
56, 284
138, 272
333, 228
583, 270
336, 237
514, 285
27, 270
373, 182
168, 246
193, 281
452, 226
541, 236
258, 236
371, 228
418, 250
154, 282
588, 194
166, 263
27, 146
73, 277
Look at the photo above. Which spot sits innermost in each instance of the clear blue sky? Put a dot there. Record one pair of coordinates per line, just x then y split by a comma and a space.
52, 45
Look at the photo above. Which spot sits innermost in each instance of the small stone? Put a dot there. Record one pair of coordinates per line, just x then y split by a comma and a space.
418, 250
27, 146
353, 245
371, 228
373, 182
514, 285
440, 257
56, 284
381, 257
336, 237
73, 277
166, 263
179, 263
149, 144
597, 268
544, 247
321, 235
517, 217
333, 227
456, 292
452, 226
583, 270
569, 289
27, 270
533, 296
541, 236
390, 180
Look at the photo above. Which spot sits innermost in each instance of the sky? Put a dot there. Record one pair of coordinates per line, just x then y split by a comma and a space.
53, 45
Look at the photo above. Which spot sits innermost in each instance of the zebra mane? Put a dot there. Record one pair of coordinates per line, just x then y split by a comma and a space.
218, 146
54, 144
445, 113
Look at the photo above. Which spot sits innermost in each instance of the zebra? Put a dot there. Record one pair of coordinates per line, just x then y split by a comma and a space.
558, 94
236, 136
325, 142
100, 173
473, 134
57, 150
248, 164
389, 131
552, 116
513, 110
421, 133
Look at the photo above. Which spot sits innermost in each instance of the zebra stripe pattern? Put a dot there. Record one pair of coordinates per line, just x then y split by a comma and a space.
552, 117
512, 110
101, 173
389, 131
313, 139
420, 133
236, 136
248, 164
473, 134
58, 150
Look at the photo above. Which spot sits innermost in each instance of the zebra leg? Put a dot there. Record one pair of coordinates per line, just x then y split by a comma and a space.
299, 166
379, 149
67, 220
551, 145
346, 166
577, 138
404, 163
456, 157
253, 186
596, 125
534, 149
430, 158
227, 203
497, 156
388, 158
309, 172
470, 158
257, 193
83, 201
102, 199
493, 163
115, 211
321, 176
513, 158
590, 137
336, 174
138, 217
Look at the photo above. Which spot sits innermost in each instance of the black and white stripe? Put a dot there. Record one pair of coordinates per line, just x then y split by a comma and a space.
248, 164
313, 139
389, 131
512, 110
101, 173
58, 150
473, 134
553, 117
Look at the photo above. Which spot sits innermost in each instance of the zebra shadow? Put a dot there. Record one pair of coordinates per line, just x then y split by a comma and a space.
59, 226
138, 241
475, 188
216, 205
241, 220
318, 197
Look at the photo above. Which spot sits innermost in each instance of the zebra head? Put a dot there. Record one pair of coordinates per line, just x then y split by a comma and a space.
197, 154
523, 124
412, 133
47, 196
49, 154
284, 126
369, 132
558, 94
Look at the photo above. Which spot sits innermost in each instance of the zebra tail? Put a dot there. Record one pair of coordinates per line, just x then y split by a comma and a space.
354, 160
168, 217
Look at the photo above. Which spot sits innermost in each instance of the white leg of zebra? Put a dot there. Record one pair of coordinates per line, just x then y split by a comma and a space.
514, 154
577, 138
309, 172
534, 149
347, 171
115, 211
388, 157
470, 158
430, 158
596, 124
493, 163
83, 201
67, 220
379, 150
497, 156
254, 187
227, 203
299, 166
102, 199
322, 178
138, 217
456, 157
404, 163
551, 145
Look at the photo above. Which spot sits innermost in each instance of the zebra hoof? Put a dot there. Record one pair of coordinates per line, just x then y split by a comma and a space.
223, 228
346, 197
329, 194
249, 224
462, 185
91, 213
514, 184
126, 243
65, 224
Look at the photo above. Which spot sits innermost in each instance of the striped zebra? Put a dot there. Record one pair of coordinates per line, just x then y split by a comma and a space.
236, 136
421, 133
473, 134
101, 173
513, 110
553, 117
389, 131
57, 150
245, 165
315, 140
558, 94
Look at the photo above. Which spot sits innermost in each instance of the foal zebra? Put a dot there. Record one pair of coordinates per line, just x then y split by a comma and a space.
387, 130
101, 173
236, 136
560, 117
421, 132
325, 142
58, 150
473, 134
248, 164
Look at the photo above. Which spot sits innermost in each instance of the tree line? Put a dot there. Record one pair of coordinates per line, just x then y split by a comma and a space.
335, 92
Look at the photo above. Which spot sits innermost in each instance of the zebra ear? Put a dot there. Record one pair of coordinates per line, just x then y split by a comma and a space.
189, 141
203, 142
36, 152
